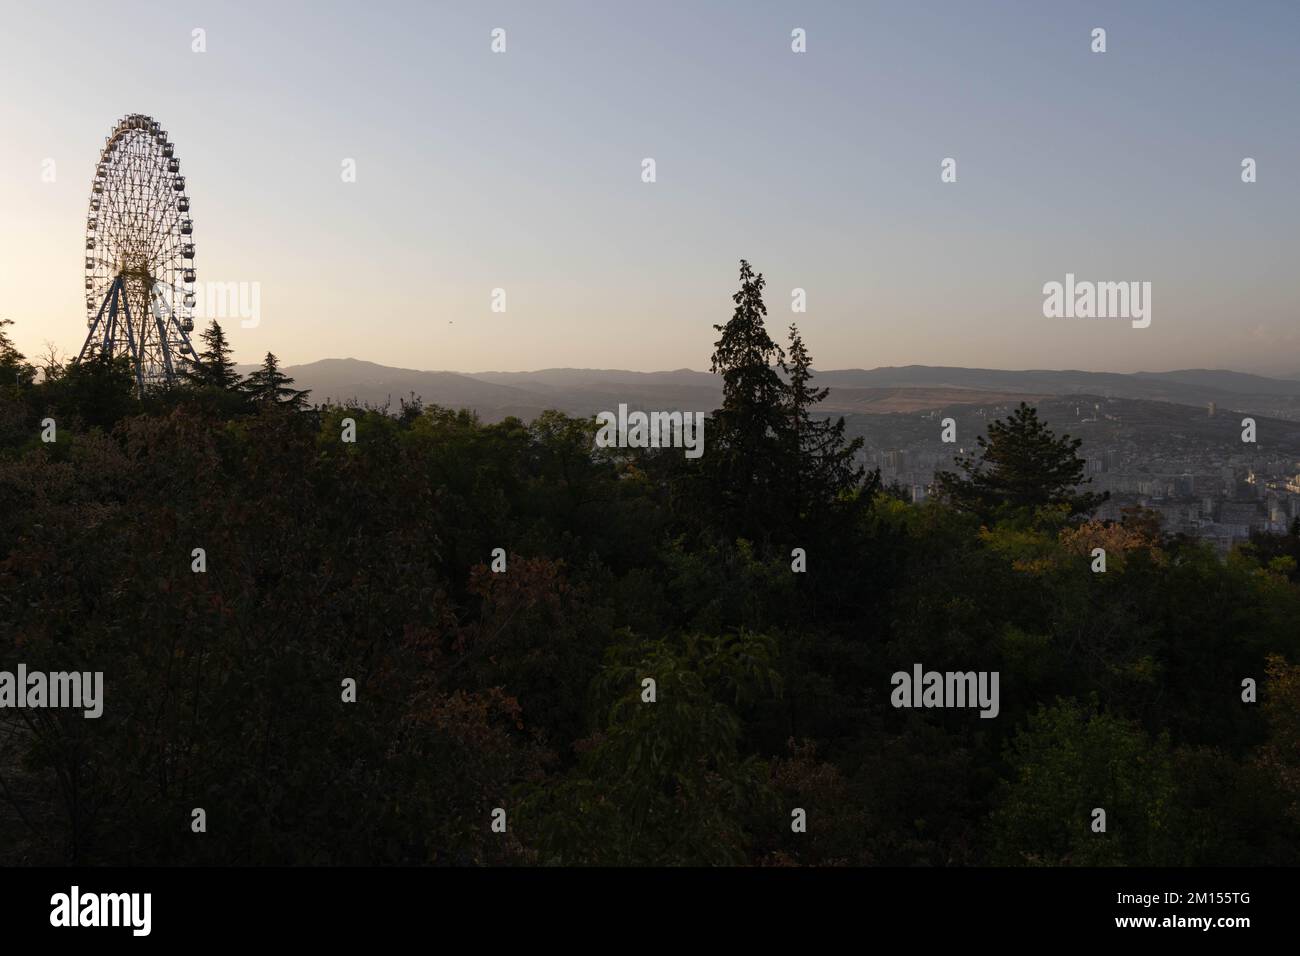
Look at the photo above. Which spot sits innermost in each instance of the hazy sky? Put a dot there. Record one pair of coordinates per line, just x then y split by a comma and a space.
522, 171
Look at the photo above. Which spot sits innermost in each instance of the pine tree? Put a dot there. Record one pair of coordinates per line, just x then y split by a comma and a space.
269, 384
214, 367
744, 454
746, 356
823, 460
1022, 465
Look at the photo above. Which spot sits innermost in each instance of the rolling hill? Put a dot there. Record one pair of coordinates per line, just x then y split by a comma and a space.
496, 395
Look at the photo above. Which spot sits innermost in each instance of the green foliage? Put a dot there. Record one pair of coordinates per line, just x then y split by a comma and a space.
1069, 762
663, 782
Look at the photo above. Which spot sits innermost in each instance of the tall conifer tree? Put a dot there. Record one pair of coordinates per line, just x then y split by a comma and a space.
269, 384
214, 367
744, 452
822, 459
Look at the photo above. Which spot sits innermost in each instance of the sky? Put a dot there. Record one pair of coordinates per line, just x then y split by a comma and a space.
522, 171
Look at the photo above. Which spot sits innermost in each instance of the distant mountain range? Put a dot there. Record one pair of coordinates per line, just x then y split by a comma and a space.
495, 395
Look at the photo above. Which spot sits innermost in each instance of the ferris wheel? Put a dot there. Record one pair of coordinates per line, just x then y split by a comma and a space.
140, 254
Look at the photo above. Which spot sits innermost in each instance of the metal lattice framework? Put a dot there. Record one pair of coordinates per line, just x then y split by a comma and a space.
140, 254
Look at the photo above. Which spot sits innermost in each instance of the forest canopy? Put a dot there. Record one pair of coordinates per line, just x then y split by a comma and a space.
500, 593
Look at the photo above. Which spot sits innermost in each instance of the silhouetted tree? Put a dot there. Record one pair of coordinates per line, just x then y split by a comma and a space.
214, 366
269, 384
100, 389
822, 459
14, 368
744, 454
1022, 465
410, 411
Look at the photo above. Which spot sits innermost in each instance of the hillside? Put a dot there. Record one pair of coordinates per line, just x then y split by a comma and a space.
495, 395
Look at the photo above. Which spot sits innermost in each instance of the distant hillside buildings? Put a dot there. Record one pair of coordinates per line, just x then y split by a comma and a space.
1211, 489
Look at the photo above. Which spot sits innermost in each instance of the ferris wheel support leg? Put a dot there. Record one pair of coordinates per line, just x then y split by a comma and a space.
91, 334
136, 350
110, 327
163, 342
